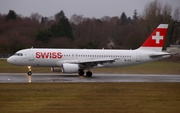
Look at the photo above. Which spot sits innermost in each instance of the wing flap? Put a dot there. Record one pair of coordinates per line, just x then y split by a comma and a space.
97, 61
90, 61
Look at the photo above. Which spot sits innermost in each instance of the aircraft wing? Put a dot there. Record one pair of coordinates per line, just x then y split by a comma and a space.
98, 61
95, 62
91, 63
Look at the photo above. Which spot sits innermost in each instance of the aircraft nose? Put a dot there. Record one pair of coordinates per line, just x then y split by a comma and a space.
9, 60
12, 60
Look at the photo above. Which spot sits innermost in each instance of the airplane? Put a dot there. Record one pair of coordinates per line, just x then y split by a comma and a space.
78, 60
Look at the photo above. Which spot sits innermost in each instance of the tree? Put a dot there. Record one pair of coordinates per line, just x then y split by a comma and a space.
60, 16
176, 15
11, 15
135, 15
123, 19
44, 36
36, 16
152, 14
76, 19
62, 28
166, 13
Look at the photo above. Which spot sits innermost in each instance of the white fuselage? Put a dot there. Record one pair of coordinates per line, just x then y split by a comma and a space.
57, 57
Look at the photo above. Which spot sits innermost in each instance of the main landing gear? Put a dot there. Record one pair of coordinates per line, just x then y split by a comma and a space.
29, 71
88, 73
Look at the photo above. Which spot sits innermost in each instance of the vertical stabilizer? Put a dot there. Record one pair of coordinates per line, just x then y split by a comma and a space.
156, 40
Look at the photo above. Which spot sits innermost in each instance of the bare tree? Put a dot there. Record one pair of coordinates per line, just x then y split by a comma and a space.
76, 19
176, 15
152, 13
166, 13
36, 16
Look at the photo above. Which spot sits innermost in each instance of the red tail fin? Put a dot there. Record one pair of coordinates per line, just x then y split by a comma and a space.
156, 40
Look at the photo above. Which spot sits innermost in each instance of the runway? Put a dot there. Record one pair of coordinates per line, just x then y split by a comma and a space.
56, 77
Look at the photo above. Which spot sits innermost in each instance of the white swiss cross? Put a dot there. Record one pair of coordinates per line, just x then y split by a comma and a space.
157, 37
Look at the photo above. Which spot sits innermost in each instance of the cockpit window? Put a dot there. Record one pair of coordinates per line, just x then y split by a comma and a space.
18, 54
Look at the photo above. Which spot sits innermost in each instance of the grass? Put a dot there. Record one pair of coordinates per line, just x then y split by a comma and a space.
148, 68
90, 98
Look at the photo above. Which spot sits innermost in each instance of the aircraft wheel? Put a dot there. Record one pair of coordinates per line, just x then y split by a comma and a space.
81, 72
88, 73
29, 73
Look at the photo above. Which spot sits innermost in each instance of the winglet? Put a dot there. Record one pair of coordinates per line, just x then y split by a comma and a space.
156, 40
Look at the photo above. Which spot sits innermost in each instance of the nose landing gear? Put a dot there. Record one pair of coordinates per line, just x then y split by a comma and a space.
29, 74
29, 71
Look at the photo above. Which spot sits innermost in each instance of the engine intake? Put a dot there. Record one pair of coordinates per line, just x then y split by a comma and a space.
70, 68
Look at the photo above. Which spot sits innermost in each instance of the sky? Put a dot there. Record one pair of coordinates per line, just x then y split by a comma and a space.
87, 8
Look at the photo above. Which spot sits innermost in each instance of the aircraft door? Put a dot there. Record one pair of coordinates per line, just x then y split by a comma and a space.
138, 57
31, 55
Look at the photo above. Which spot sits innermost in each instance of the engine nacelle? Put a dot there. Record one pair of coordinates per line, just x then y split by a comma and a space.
55, 69
70, 68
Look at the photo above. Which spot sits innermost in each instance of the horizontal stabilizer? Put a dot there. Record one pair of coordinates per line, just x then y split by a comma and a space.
159, 55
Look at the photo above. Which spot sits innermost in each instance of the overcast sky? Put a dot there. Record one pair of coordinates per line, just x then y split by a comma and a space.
87, 8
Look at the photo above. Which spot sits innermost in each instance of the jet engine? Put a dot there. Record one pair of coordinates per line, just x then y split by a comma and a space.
70, 68
55, 69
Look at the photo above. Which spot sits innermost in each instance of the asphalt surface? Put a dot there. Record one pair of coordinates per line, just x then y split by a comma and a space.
56, 77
